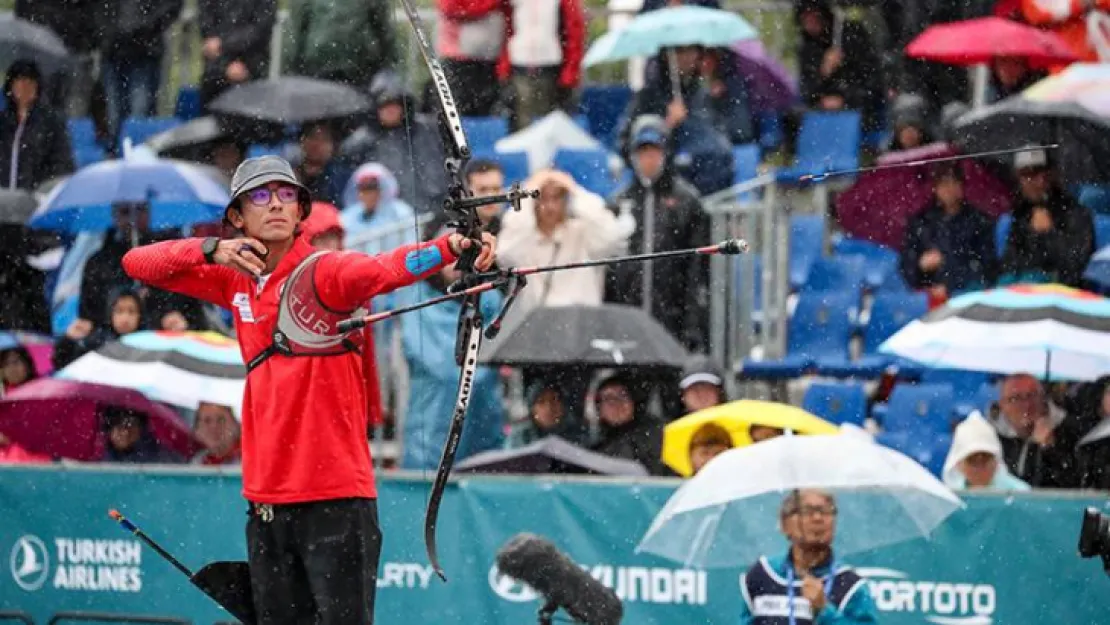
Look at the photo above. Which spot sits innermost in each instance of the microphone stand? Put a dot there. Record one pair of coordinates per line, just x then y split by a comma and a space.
547, 612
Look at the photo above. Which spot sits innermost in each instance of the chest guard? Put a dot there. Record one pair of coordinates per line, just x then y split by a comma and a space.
305, 326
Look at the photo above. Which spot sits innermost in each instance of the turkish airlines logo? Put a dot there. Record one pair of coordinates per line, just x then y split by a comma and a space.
509, 589
30, 563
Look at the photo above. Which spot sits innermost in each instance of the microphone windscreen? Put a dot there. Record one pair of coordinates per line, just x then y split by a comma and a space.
537, 562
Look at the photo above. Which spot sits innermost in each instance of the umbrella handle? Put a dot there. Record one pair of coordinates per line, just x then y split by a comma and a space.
676, 80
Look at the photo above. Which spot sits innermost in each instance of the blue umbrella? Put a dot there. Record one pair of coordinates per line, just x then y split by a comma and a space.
668, 28
1098, 269
179, 194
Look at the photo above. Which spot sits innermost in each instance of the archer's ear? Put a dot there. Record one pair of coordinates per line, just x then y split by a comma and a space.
235, 218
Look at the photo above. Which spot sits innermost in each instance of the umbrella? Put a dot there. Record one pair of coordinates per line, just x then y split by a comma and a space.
551, 454
60, 418
16, 206
771, 87
178, 368
727, 514
21, 39
1098, 269
736, 417
39, 346
671, 27
880, 203
981, 40
1061, 332
542, 139
290, 100
590, 336
1070, 108
179, 194
190, 141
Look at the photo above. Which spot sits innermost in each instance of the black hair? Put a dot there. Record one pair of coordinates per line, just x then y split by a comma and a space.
24, 355
21, 68
481, 166
948, 171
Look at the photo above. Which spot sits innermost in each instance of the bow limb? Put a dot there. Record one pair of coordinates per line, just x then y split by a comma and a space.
468, 344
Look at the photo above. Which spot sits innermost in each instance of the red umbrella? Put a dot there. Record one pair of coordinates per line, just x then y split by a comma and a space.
880, 203
982, 40
61, 418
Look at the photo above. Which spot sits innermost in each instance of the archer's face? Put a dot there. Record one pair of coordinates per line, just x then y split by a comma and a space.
269, 214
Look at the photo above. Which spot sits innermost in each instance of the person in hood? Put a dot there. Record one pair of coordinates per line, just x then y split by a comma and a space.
313, 538
949, 245
975, 459
405, 143
323, 228
702, 384
1038, 438
627, 431
125, 315
910, 118
128, 438
371, 203
806, 585
34, 142
550, 414
16, 368
1052, 238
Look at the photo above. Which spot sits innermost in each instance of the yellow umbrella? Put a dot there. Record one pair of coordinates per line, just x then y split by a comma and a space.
735, 418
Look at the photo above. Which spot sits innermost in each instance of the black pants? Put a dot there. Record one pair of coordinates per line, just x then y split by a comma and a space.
314, 563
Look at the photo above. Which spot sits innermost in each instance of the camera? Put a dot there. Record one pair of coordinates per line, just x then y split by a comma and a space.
1094, 537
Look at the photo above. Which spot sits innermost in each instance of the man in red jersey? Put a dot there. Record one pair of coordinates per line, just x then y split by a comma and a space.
313, 538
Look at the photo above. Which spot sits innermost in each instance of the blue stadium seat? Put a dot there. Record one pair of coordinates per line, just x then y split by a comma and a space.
1096, 197
139, 129
1102, 231
817, 334
603, 106
838, 273
882, 270
918, 408
965, 384
514, 164
981, 401
82, 132
745, 166
484, 132
890, 312
188, 103
807, 237
929, 449
88, 155
827, 141
1001, 233
771, 133
837, 403
589, 168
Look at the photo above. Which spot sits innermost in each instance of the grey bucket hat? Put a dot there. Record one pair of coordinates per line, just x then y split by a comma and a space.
262, 170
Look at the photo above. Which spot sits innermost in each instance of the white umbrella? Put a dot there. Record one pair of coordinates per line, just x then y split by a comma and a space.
727, 514
544, 138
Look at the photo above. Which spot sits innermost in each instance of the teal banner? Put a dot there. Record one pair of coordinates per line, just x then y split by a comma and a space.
1003, 560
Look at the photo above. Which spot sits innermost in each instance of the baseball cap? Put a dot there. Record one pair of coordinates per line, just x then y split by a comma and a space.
262, 170
649, 136
700, 369
1030, 159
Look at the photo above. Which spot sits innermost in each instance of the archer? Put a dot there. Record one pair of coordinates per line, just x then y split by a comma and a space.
313, 538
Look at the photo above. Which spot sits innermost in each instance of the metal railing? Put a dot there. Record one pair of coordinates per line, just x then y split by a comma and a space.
105, 617
15, 615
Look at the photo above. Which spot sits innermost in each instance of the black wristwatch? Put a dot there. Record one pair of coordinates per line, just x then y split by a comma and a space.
208, 246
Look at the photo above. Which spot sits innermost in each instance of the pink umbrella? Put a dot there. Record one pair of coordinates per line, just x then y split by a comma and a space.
39, 346
879, 205
61, 418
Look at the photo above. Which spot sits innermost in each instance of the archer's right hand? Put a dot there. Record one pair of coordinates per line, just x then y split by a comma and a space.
243, 254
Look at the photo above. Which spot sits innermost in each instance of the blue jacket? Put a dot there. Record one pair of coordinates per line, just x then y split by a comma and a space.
428, 339
858, 606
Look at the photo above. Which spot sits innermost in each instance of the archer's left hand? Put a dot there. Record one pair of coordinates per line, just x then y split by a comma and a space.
486, 257
814, 591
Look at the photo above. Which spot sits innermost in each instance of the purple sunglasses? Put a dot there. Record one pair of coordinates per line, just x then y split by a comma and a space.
262, 195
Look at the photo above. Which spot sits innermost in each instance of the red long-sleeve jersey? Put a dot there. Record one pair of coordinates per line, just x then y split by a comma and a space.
305, 417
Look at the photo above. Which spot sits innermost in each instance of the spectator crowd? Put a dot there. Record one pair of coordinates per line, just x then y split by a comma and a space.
378, 181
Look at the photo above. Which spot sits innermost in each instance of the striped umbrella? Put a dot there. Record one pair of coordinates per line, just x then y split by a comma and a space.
178, 368
1048, 330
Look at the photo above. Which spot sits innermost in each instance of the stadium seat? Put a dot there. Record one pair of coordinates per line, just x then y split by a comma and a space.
603, 106
188, 103
82, 132
484, 132
514, 164
837, 403
771, 133
589, 168
929, 449
1102, 231
827, 141
965, 384
881, 270
918, 408
1001, 233
838, 273
807, 239
816, 334
981, 401
745, 166
890, 312
139, 129
88, 155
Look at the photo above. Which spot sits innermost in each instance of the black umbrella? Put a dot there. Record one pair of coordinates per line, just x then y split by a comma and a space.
290, 100
592, 336
550, 455
1083, 155
16, 206
20, 39
190, 141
